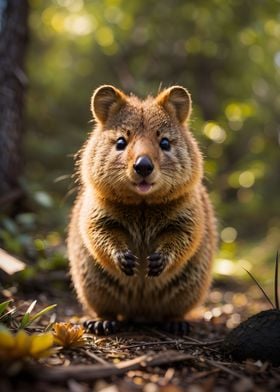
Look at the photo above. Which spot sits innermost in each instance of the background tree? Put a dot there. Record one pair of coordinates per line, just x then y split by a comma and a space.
13, 40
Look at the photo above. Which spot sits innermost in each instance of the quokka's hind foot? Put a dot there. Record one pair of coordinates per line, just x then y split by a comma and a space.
175, 327
102, 327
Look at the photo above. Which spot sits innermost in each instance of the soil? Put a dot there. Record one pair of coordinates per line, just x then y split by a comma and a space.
142, 357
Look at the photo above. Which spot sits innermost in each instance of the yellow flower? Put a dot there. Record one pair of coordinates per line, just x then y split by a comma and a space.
22, 345
68, 335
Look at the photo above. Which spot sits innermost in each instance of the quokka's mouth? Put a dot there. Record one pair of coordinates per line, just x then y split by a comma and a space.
143, 186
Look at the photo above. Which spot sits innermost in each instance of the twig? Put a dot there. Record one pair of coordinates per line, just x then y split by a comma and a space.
195, 341
191, 339
203, 344
92, 372
200, 375
276, 282
177, 341
142, 344
96, 357
222, 367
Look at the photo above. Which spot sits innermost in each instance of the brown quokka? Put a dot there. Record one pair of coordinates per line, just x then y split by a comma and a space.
142, 233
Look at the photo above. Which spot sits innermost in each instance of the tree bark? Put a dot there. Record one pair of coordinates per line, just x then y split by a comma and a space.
13, 43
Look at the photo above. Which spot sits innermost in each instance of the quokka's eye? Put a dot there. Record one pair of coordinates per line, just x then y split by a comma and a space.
121, 144
165, 144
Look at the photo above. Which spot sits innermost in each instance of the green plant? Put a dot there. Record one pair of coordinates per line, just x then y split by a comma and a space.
276, 291
10, 316
28, 319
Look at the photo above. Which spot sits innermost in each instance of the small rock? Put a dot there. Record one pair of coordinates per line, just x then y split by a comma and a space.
257, 338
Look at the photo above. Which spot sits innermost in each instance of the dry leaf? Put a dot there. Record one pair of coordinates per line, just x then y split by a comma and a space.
10, 264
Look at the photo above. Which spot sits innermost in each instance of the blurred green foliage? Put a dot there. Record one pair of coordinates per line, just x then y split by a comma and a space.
226, 53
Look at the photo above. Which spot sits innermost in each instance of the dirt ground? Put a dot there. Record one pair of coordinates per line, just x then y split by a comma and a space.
142, 357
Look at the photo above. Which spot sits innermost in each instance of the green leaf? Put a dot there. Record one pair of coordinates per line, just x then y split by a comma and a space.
51, 322
42, 312
8, 315
4, 305
26, 318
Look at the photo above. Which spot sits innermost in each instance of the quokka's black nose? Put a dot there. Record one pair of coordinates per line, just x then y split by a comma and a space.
143, 166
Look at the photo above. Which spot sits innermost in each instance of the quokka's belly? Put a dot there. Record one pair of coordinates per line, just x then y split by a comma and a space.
148, 299
139, 297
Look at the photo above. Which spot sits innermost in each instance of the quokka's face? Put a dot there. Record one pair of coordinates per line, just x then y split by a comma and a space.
141, 150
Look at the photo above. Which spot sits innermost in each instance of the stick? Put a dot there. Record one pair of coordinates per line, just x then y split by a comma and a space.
198, 376
96, 357
92, 372
222, 367
176, 341
276, 282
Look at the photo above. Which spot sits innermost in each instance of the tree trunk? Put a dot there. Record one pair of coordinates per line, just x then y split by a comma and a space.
13, 43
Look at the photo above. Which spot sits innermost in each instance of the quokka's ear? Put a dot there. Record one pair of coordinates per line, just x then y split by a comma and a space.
176, 100
105, 101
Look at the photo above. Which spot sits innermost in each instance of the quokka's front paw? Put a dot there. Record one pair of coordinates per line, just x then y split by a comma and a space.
127, 262
156, 264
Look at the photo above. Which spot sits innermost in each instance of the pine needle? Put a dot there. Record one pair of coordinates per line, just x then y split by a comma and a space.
259, 286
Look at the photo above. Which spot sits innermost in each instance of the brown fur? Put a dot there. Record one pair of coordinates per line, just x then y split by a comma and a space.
174, 218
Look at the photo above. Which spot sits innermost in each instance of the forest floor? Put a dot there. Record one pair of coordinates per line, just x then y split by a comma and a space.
143, 357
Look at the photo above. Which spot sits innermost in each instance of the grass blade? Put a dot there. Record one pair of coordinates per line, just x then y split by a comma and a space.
276, 296
51, 322
6, 315
43, 311
26, 318
4, 305
260, 287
